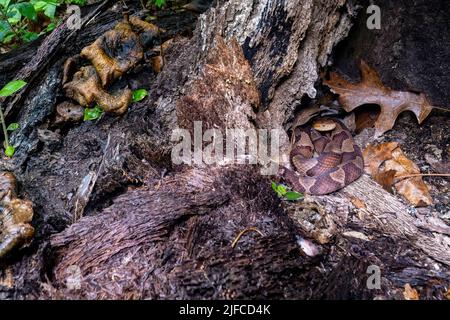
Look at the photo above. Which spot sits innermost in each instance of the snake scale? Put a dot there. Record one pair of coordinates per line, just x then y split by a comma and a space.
323, 163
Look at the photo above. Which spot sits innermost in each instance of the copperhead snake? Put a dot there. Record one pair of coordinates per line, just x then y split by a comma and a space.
338, 162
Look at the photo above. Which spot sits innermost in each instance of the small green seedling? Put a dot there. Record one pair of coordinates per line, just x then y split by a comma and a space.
160, 3
92, 113
9, 151
139, 94
13, 126
282, 192
19, 19
9, 89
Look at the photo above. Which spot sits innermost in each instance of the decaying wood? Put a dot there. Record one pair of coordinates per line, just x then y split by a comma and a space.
154, 230
387, 214
167, 248
48, 49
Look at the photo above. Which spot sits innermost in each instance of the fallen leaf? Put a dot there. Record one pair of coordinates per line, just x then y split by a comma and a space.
375, 156
413, 189
410, 293
386, 179
447, 294
387, 163
372, 91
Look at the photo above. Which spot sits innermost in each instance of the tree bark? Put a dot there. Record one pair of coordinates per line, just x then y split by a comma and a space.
165, 231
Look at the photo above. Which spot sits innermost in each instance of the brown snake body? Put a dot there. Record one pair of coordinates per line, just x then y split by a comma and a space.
338, 162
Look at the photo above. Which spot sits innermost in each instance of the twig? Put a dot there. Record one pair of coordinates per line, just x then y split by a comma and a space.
422, 175
439, 108
5, 131
239, 236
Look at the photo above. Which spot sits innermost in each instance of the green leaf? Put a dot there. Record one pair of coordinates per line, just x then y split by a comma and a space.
139, 94
9, 151
50, 11
14, 15
160, 3
13, 126
274, 186
5, 30
293, 196
5, 3
12, 87
281, 190
50, 27
27, 10
9, 37
92, 113
29, 36
39, 5
77, 2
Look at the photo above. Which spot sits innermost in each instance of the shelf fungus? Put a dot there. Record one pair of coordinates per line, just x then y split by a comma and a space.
15, 216
112, 55
85, 88
149, 34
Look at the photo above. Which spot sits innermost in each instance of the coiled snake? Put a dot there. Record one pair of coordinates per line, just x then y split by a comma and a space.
338, 162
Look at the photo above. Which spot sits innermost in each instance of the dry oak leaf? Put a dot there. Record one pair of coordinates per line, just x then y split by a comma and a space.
375, 156
386, 162
410, 293
447, 294
372, 91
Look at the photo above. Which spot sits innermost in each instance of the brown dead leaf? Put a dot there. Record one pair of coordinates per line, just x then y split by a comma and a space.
447, 294
372, 91
410, 293
413, 189
375, 156
386, 162
385, 179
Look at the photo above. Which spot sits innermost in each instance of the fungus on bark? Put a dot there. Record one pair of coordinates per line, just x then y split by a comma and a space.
15, 216
85, 88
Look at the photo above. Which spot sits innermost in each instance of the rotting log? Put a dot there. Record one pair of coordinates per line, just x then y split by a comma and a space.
162, 231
